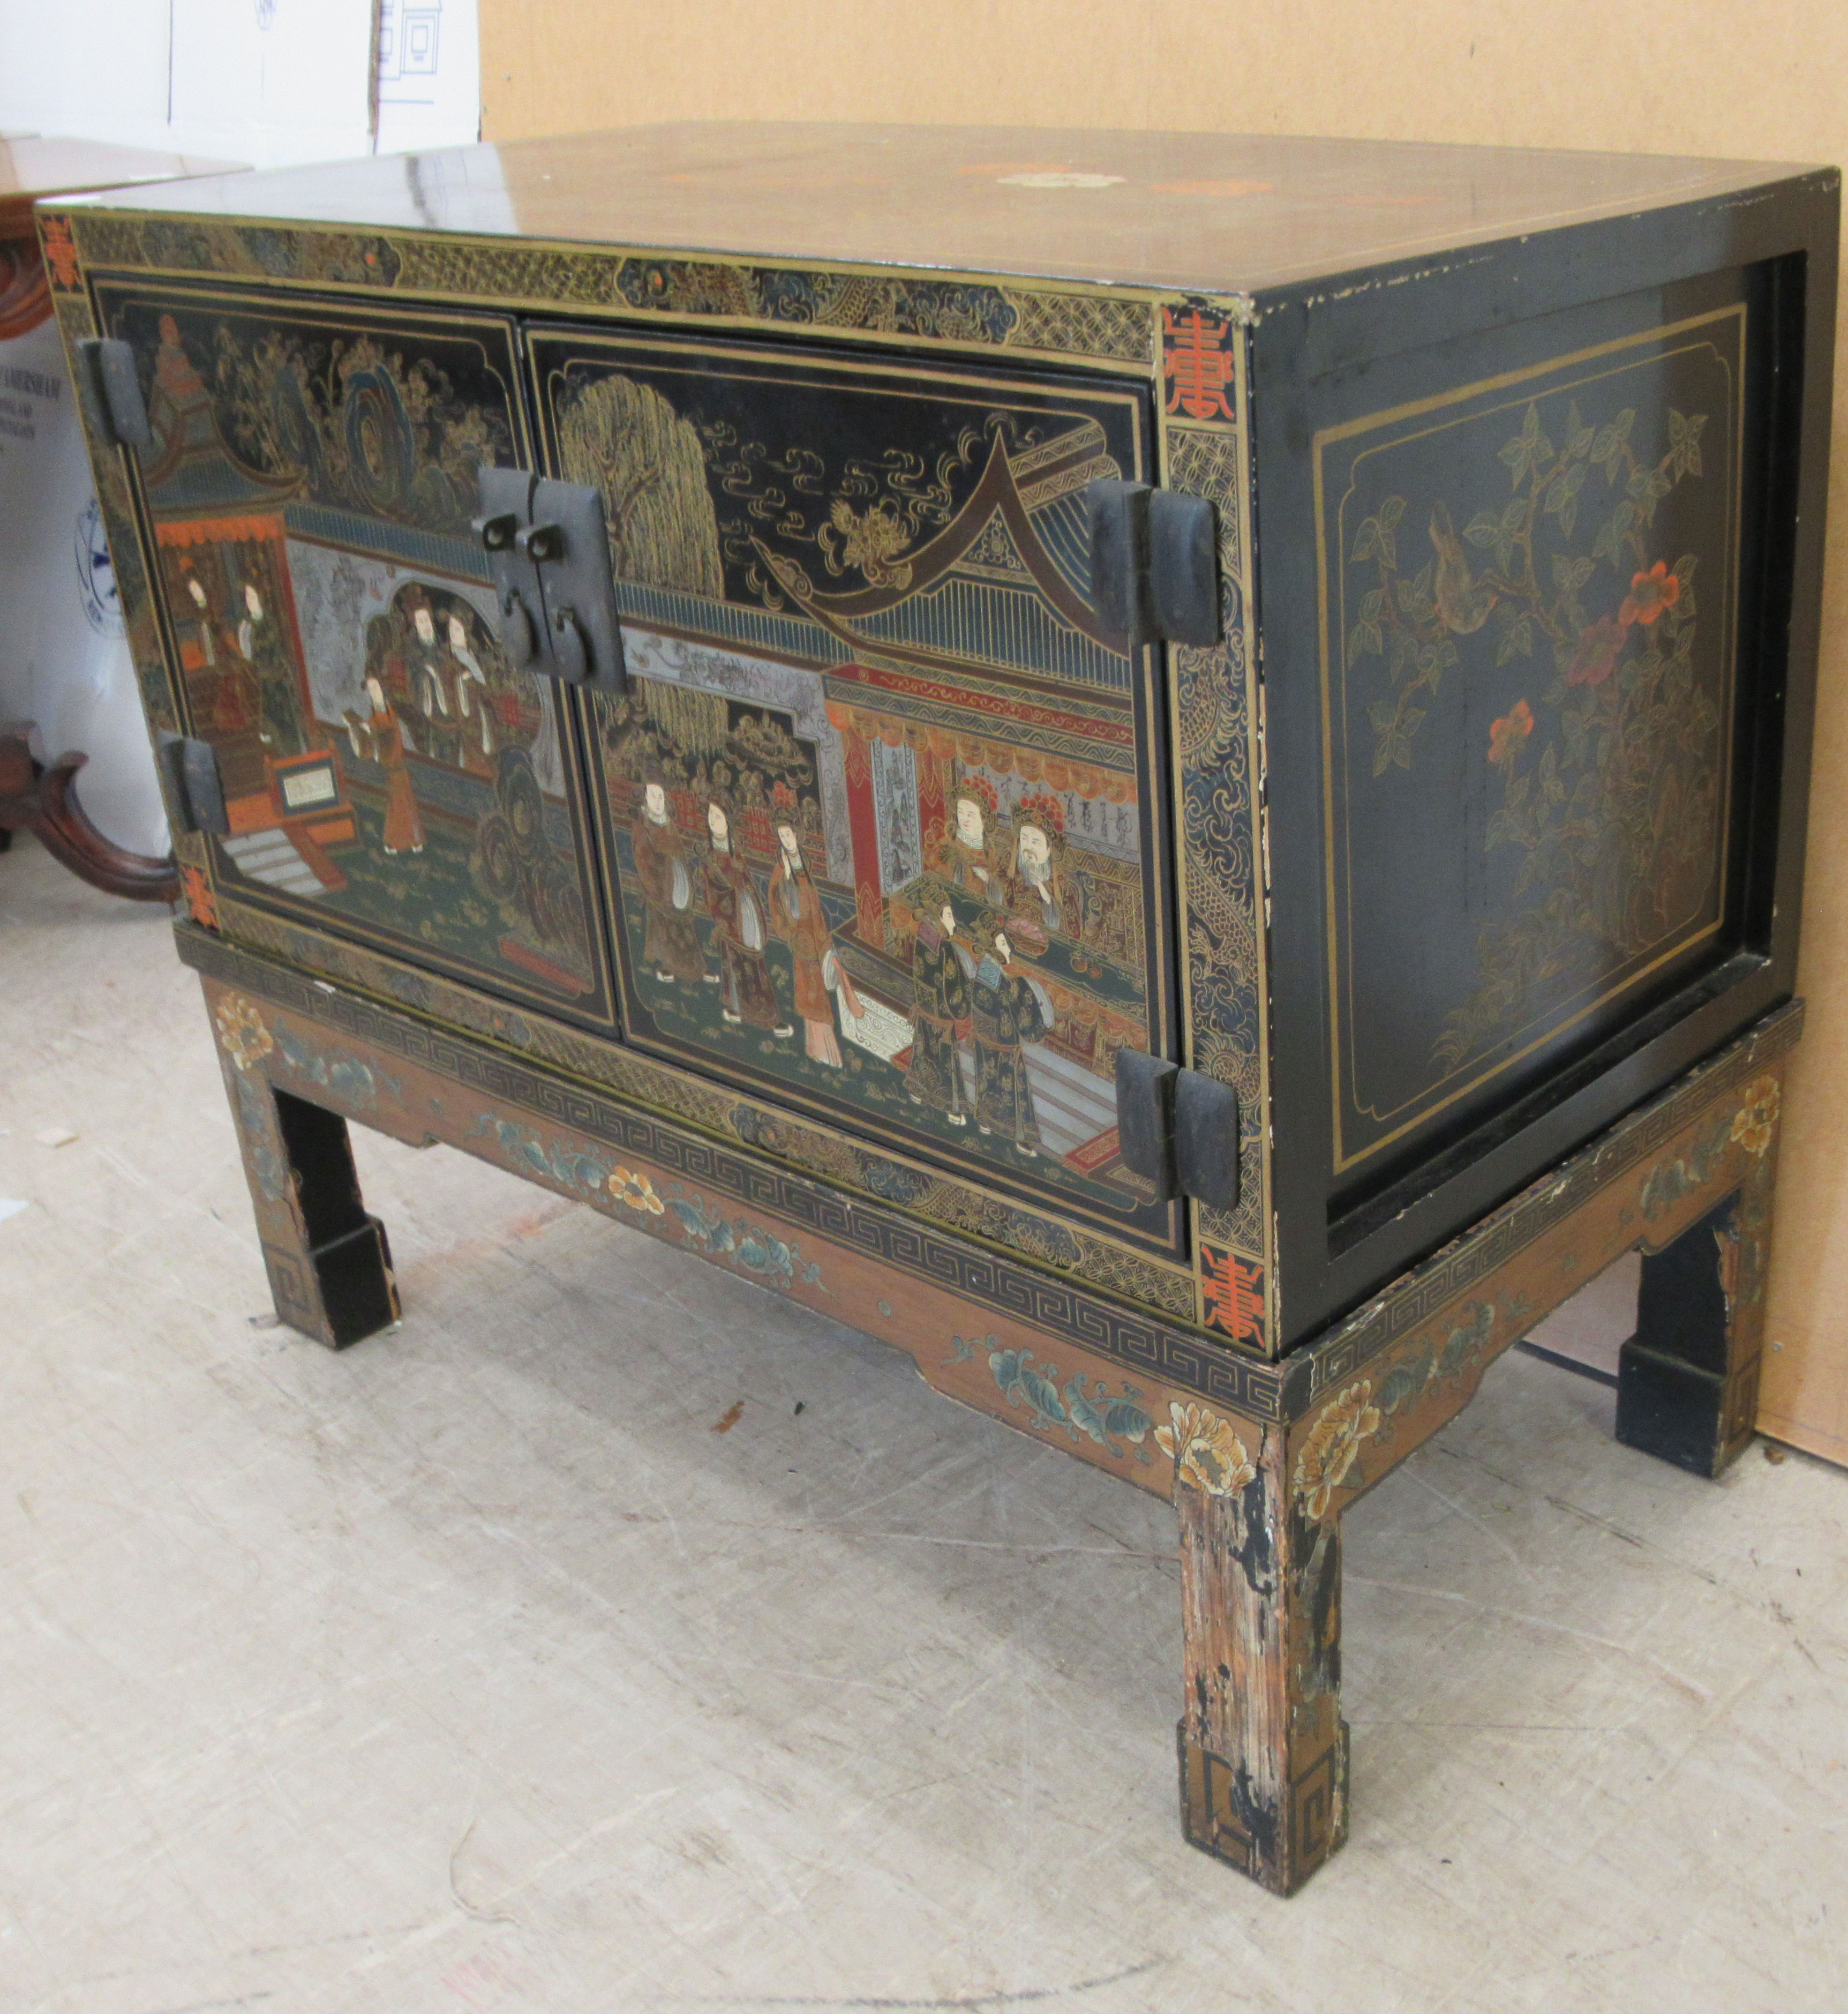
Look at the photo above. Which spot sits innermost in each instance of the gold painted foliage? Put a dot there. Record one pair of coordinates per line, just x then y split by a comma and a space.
1755, 1121
1349, 1420
1207, 1452
241, 1032
358, 425
796, 502
1510, 562
1608, 770
869, 543
624, 439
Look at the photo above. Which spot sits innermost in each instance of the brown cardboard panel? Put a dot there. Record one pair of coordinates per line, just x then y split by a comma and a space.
1694, 77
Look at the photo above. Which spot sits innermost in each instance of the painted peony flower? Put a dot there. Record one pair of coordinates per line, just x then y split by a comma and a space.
242, 1034
1755, 1120
1507, 736
1650, 593
1207, 1452
635, 1191
1334, 1447
1600, 644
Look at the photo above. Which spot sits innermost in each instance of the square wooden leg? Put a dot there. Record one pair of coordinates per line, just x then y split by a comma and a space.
329, 1265
1688, 1380
1263, 1748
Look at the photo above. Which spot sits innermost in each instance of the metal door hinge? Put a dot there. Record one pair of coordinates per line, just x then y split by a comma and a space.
1155, 563
195, 788
549, 551
1178, 1129
111, 392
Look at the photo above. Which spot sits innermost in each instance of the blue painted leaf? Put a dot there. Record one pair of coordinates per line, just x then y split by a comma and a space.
1041, 1391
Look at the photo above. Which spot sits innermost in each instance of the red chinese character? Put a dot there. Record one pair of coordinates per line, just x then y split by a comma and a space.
1234, 1294
199, 897
1198, 367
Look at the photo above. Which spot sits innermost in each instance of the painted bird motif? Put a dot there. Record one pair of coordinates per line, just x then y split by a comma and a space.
1464, 602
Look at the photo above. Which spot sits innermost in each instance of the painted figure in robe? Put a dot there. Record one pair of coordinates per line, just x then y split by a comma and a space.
232, 703
382, 739
796, 916
670, 946
257, 645
940, 970
1037, 901
475, 712
967, 859
1008, 1010
747, 988
428, 677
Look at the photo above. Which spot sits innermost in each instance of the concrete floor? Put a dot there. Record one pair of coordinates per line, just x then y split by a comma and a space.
475, 1669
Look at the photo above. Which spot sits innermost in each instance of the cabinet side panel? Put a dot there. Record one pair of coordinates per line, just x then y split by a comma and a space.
1545, 827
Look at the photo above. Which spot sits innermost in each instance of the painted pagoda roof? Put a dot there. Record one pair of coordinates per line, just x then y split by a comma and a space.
1005, 580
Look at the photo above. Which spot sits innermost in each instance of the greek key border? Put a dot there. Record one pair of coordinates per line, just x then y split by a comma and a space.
958, 1202
1244, 1386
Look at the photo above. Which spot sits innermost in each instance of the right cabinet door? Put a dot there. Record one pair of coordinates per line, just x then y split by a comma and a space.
884, 813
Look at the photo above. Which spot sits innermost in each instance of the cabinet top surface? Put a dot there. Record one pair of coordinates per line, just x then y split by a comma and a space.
1193, 210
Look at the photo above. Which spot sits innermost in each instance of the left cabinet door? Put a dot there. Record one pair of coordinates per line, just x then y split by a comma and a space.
391, 778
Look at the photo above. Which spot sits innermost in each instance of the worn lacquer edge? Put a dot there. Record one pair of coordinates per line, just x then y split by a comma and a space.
1381, 1385
128, 558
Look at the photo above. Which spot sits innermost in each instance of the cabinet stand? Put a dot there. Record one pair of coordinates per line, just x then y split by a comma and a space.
1260, 1459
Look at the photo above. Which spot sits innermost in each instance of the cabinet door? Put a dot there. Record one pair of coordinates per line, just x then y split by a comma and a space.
390, 778
883, 810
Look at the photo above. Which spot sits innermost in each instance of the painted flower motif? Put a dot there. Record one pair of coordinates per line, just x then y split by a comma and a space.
1599, 645
241, 1034
1754, 1123
873, 543
1206, 1451
1334, 1447
1650, 593
635, 1191
1507, 736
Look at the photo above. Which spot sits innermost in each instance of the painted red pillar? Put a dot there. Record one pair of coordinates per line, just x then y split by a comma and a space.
869, 901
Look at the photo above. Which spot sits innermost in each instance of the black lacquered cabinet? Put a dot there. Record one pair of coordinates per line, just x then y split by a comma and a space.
1172, 774
1472, 815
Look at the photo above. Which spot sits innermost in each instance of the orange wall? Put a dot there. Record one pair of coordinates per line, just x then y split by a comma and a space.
1696, 77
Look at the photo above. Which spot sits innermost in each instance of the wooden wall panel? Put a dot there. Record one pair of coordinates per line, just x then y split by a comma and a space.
1703, 77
